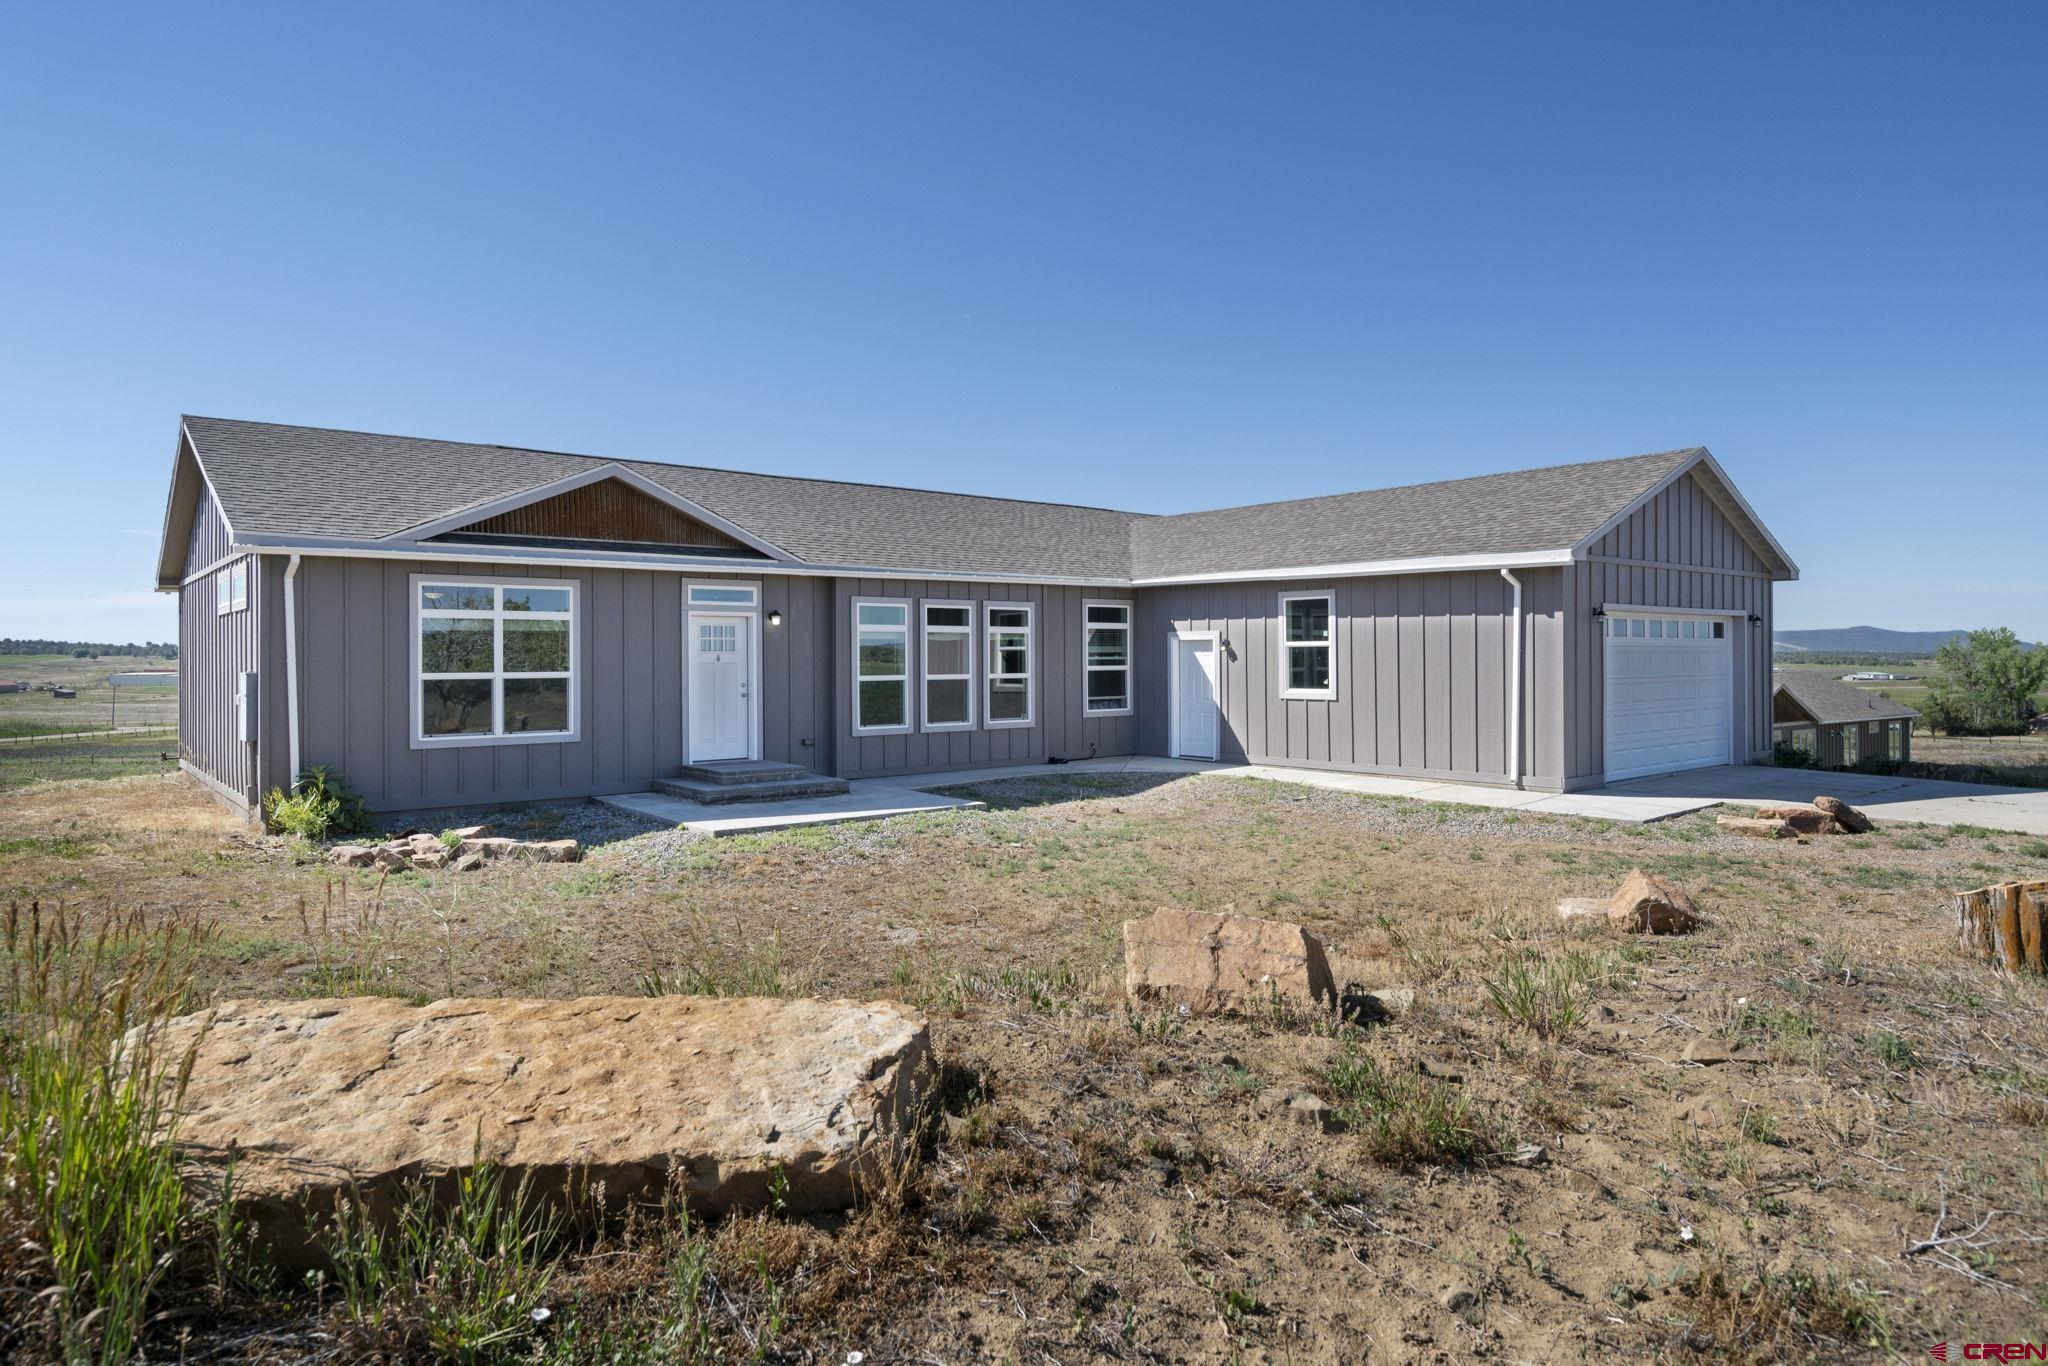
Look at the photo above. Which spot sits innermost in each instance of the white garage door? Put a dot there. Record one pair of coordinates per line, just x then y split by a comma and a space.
1669, 695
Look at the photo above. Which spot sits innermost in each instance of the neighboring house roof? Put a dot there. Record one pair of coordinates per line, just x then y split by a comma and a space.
1832, 703
316, 489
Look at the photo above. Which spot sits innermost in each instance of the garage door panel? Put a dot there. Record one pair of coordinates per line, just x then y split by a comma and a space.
1669, 701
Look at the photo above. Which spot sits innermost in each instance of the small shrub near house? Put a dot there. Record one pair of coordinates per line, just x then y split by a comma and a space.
1785, 755
321, 805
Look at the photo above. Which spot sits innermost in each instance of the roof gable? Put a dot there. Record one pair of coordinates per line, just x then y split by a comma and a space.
608, 503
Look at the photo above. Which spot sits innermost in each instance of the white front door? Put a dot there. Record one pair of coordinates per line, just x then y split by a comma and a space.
721, 687
1194, 697
1670, 695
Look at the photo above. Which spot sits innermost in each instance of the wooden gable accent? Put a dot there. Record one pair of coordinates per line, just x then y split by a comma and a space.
608, 510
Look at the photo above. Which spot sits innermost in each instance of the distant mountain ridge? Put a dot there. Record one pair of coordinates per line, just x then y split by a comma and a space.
1865, 640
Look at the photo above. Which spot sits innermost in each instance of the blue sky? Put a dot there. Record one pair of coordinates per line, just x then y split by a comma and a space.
1157, 256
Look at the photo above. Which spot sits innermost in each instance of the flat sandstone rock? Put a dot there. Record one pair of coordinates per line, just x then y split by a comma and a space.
1214, 963
318, 1096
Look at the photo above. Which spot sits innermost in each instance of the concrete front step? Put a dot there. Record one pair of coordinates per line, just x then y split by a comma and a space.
714, 794
743, 771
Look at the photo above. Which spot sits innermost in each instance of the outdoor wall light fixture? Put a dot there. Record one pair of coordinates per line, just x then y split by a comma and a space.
775, 618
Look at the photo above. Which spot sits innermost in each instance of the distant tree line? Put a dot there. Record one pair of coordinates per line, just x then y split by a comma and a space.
85, 649
1871, 658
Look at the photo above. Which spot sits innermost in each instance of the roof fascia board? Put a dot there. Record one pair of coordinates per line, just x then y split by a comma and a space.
165, 550
1421, 564
1701, 457
569, 484
570, 559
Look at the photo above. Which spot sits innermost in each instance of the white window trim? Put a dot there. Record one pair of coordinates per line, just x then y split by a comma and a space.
989, 675
222, 592
1287, 647
925, 677
691, 586
238, 586
909, 666
421, 740
1129, 668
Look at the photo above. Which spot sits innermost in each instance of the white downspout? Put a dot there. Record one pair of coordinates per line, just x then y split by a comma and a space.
1514, 687
291, 666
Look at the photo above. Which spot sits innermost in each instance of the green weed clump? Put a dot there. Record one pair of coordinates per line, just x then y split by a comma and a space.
89, 1186
1547, 995
1408, 1119
466, 1278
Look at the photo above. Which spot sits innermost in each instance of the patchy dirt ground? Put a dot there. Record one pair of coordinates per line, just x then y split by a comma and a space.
1866, 1175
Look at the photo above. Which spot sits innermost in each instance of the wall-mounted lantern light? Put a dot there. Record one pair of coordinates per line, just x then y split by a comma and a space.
775, 618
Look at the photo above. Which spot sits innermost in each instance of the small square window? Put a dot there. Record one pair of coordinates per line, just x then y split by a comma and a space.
1638, 627
1717, 630
1685, 629
1656, 630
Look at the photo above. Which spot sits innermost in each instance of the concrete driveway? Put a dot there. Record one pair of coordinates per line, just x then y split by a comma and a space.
2023, 810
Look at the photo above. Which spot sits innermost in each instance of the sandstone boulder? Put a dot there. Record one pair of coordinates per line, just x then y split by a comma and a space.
1648, 904
352, 855
1804, 820
388, 856
1214, 963
471, 832
490, 846
1846, 816
1643, 904
467, 863
322, 1098
548, 851
1755, 828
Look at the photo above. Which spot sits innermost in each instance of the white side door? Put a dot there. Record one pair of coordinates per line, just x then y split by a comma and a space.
1670, 695
721, 686
1194, 697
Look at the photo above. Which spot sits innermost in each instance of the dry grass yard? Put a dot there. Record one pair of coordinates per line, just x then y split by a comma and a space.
1531, 1167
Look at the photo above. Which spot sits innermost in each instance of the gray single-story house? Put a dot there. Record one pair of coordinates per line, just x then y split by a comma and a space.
444, 622
1838, 723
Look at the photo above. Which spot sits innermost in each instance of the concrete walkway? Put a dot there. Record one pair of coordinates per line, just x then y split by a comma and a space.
2018, 809
2022, 810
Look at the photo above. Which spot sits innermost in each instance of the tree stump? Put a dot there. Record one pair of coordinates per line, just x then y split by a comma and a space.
2005, 924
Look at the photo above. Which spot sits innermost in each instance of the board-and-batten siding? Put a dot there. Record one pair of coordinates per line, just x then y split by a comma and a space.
356, 681
214, 649
1060, 726
1423, 671
1677, 551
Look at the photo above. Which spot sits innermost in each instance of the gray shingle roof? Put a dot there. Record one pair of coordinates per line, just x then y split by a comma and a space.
276, 481
1832, 702
1545, 509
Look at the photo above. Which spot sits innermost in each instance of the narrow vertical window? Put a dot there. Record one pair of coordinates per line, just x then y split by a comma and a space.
223, 594
1009, 664
238, 586
1106, 655
881, 665
948, 665
1308, 665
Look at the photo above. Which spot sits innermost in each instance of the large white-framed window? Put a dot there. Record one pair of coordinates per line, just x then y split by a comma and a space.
1106, 658
493, 661
946, 658
881, 666
1012, 688
1308, 652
